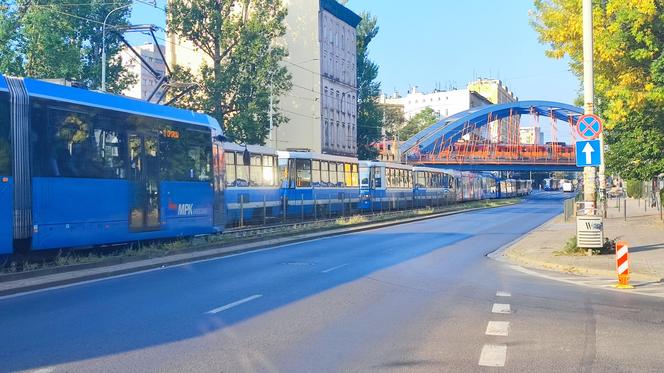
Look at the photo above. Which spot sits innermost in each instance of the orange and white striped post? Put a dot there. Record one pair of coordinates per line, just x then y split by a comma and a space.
622, 265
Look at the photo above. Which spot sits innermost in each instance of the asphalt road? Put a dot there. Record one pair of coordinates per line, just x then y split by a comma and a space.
415, 297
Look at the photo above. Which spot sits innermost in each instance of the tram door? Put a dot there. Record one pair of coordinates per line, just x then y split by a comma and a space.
144, 177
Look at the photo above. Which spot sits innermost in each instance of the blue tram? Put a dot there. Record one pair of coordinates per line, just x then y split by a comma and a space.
81, 168
490, 185
433, 186
385, 186
252, 186
317, 184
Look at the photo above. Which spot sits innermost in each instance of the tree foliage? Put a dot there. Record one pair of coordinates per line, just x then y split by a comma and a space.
369, 114
628, 65
61, 39
418, 122
237, 41
392, 119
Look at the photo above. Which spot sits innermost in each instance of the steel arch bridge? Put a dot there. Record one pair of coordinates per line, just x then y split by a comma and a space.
463, 141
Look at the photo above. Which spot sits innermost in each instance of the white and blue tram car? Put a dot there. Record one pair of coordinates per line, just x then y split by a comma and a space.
386, 186
432, 186
82, 168
317, 184
252, 185
490, 185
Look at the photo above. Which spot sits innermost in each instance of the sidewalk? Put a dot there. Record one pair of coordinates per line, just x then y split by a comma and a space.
643, 231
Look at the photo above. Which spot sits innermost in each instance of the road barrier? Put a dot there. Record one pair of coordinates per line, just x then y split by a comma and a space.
622, 265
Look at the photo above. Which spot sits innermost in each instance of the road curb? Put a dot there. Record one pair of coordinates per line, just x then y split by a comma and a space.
104, 270
507, 254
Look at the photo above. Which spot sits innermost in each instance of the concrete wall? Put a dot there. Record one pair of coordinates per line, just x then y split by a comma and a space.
302, 105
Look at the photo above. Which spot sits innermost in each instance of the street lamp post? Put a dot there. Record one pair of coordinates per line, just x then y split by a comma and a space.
103, 46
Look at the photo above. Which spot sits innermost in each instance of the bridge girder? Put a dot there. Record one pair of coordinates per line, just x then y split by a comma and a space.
451, 128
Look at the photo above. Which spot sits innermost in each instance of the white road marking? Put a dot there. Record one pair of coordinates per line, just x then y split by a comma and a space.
234, 304
501, 308
498, 328
503, 294
579, 281
493, 355
44, 370
334, 268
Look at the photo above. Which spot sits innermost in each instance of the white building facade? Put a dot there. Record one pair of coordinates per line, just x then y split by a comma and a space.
338, 78
322, 57
531, 135
322, 60
444, 103
145, 81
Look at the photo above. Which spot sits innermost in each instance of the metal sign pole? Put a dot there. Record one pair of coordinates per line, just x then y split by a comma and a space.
588, 92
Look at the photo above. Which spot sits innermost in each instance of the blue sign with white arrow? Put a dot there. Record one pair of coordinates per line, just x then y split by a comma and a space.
588, 153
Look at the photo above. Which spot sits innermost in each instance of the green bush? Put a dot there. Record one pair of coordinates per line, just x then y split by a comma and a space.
635, 189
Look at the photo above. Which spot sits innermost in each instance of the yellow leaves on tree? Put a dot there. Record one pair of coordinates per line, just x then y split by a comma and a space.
625, 45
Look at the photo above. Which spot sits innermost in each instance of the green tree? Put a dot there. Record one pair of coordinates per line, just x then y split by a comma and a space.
369, 114
55, 39
629, 83
392, 119
237, 39
417, 123
636, 145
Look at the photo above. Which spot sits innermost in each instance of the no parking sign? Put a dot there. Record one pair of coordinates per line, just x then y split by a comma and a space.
589, 126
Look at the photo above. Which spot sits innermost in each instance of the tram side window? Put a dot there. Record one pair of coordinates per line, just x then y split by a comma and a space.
349, 174
230, 169
378, 180
315, 173
5, 145
420, 179
341, 179
185, 154
325, 173
268, 170
255, 170
241, 172
283, 173
364, 177
303, 171
356, 176
77, 142
333, 174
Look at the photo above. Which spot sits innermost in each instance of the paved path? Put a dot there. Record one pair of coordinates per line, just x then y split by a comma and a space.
415, 297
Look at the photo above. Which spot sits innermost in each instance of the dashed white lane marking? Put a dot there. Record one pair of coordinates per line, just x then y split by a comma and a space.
234, 304
498, 328
334, 268
493, 355
501, 308
503, 294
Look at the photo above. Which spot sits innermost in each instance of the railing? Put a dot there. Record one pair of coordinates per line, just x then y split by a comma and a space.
501, 154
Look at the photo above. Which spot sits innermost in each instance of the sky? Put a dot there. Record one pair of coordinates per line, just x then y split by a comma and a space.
447, 43
430, 43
